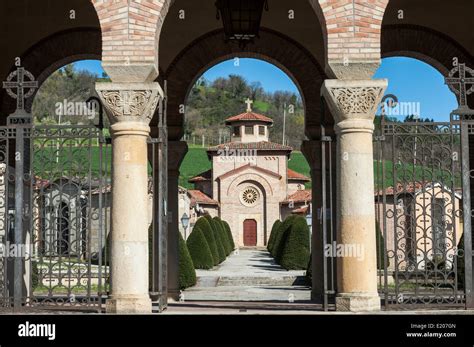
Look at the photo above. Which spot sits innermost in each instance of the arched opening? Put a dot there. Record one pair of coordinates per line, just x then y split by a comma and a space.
244, 122
418, 186
414, 82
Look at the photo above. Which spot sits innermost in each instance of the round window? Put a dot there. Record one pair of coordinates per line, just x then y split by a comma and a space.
249, 196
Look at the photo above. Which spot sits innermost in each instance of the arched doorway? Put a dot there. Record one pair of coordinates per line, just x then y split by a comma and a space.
250, 233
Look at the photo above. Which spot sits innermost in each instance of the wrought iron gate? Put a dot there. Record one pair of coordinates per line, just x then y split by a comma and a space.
422, 197
55, 199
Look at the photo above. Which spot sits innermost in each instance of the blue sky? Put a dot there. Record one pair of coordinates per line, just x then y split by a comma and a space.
409, 79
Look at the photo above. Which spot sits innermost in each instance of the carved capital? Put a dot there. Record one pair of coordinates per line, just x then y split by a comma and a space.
130, 102
353, 100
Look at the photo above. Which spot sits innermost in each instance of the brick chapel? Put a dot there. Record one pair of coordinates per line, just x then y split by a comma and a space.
250, 183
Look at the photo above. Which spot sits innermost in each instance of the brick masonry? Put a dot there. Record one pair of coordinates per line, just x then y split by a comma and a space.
130, 29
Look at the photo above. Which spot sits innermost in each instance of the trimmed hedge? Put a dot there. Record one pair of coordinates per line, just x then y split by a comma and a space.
203, 224
217, 236
199, 249
281, 237
295, 255
460, 263
223, 234
229, 233
271, 240
187, 272
380, 248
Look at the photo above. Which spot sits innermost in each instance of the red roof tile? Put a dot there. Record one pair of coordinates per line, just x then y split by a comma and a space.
293, 175
262, 145
203, 176
299, 196
249, 116
301, 210
198, 197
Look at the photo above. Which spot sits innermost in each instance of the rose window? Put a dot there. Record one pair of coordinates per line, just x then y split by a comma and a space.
249, 196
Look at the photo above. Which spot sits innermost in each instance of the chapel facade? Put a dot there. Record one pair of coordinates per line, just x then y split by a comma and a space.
250, 181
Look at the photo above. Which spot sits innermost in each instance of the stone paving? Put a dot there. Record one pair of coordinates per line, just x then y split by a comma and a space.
249, 275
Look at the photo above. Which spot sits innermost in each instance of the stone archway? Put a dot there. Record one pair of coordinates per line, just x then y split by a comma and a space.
273, 47
52, 53
430, 46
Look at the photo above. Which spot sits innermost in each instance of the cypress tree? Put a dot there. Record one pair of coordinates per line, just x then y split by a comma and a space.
203, 224
199, 250
229, 233
187, 272
295, 255
220, 247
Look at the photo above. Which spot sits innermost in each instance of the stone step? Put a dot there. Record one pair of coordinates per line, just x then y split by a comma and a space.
236, 281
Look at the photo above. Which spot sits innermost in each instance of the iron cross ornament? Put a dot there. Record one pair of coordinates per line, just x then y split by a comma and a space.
20, 85
462, 85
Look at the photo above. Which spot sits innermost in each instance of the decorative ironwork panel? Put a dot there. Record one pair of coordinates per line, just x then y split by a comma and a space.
419, 209
57, 179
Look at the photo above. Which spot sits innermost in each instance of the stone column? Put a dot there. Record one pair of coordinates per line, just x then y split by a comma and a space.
353, 104
176, 152
130, 108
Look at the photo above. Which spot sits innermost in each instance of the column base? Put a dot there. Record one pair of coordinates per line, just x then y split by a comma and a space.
126, 305
357, 302
173, 295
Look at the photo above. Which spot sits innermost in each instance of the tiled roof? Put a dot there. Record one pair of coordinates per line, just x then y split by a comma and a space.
299, 196
249, 116
198, 197
293, 175
244, 167
203, 176
262, 145
301, 210
415, 188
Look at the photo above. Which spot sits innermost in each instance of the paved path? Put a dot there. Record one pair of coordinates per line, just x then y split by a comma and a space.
249, 275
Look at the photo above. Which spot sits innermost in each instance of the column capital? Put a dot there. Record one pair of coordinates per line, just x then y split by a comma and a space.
353, 103
130, 102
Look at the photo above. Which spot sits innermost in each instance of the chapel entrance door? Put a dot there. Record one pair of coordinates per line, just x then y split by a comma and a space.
250, 233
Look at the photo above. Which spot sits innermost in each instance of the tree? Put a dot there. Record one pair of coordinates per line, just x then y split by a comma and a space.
281, 236
203, 224
295, 254
271, 240
218, 237
229, 232
187, 272
380, 247
224, 236
199, 250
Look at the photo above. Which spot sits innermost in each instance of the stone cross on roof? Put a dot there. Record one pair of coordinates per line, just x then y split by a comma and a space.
249, 104
21, 85
461, 83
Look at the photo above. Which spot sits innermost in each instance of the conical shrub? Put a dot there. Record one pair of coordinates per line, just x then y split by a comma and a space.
203, 224
224, 236
229, 233
280, 238
295, 254
199, 250
271, 240
187, 272
217, 237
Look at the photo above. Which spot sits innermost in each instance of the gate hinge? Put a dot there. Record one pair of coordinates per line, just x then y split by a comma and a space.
379, 138
326, 139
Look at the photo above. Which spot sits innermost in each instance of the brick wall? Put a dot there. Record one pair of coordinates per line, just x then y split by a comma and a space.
130, 29
353, 29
